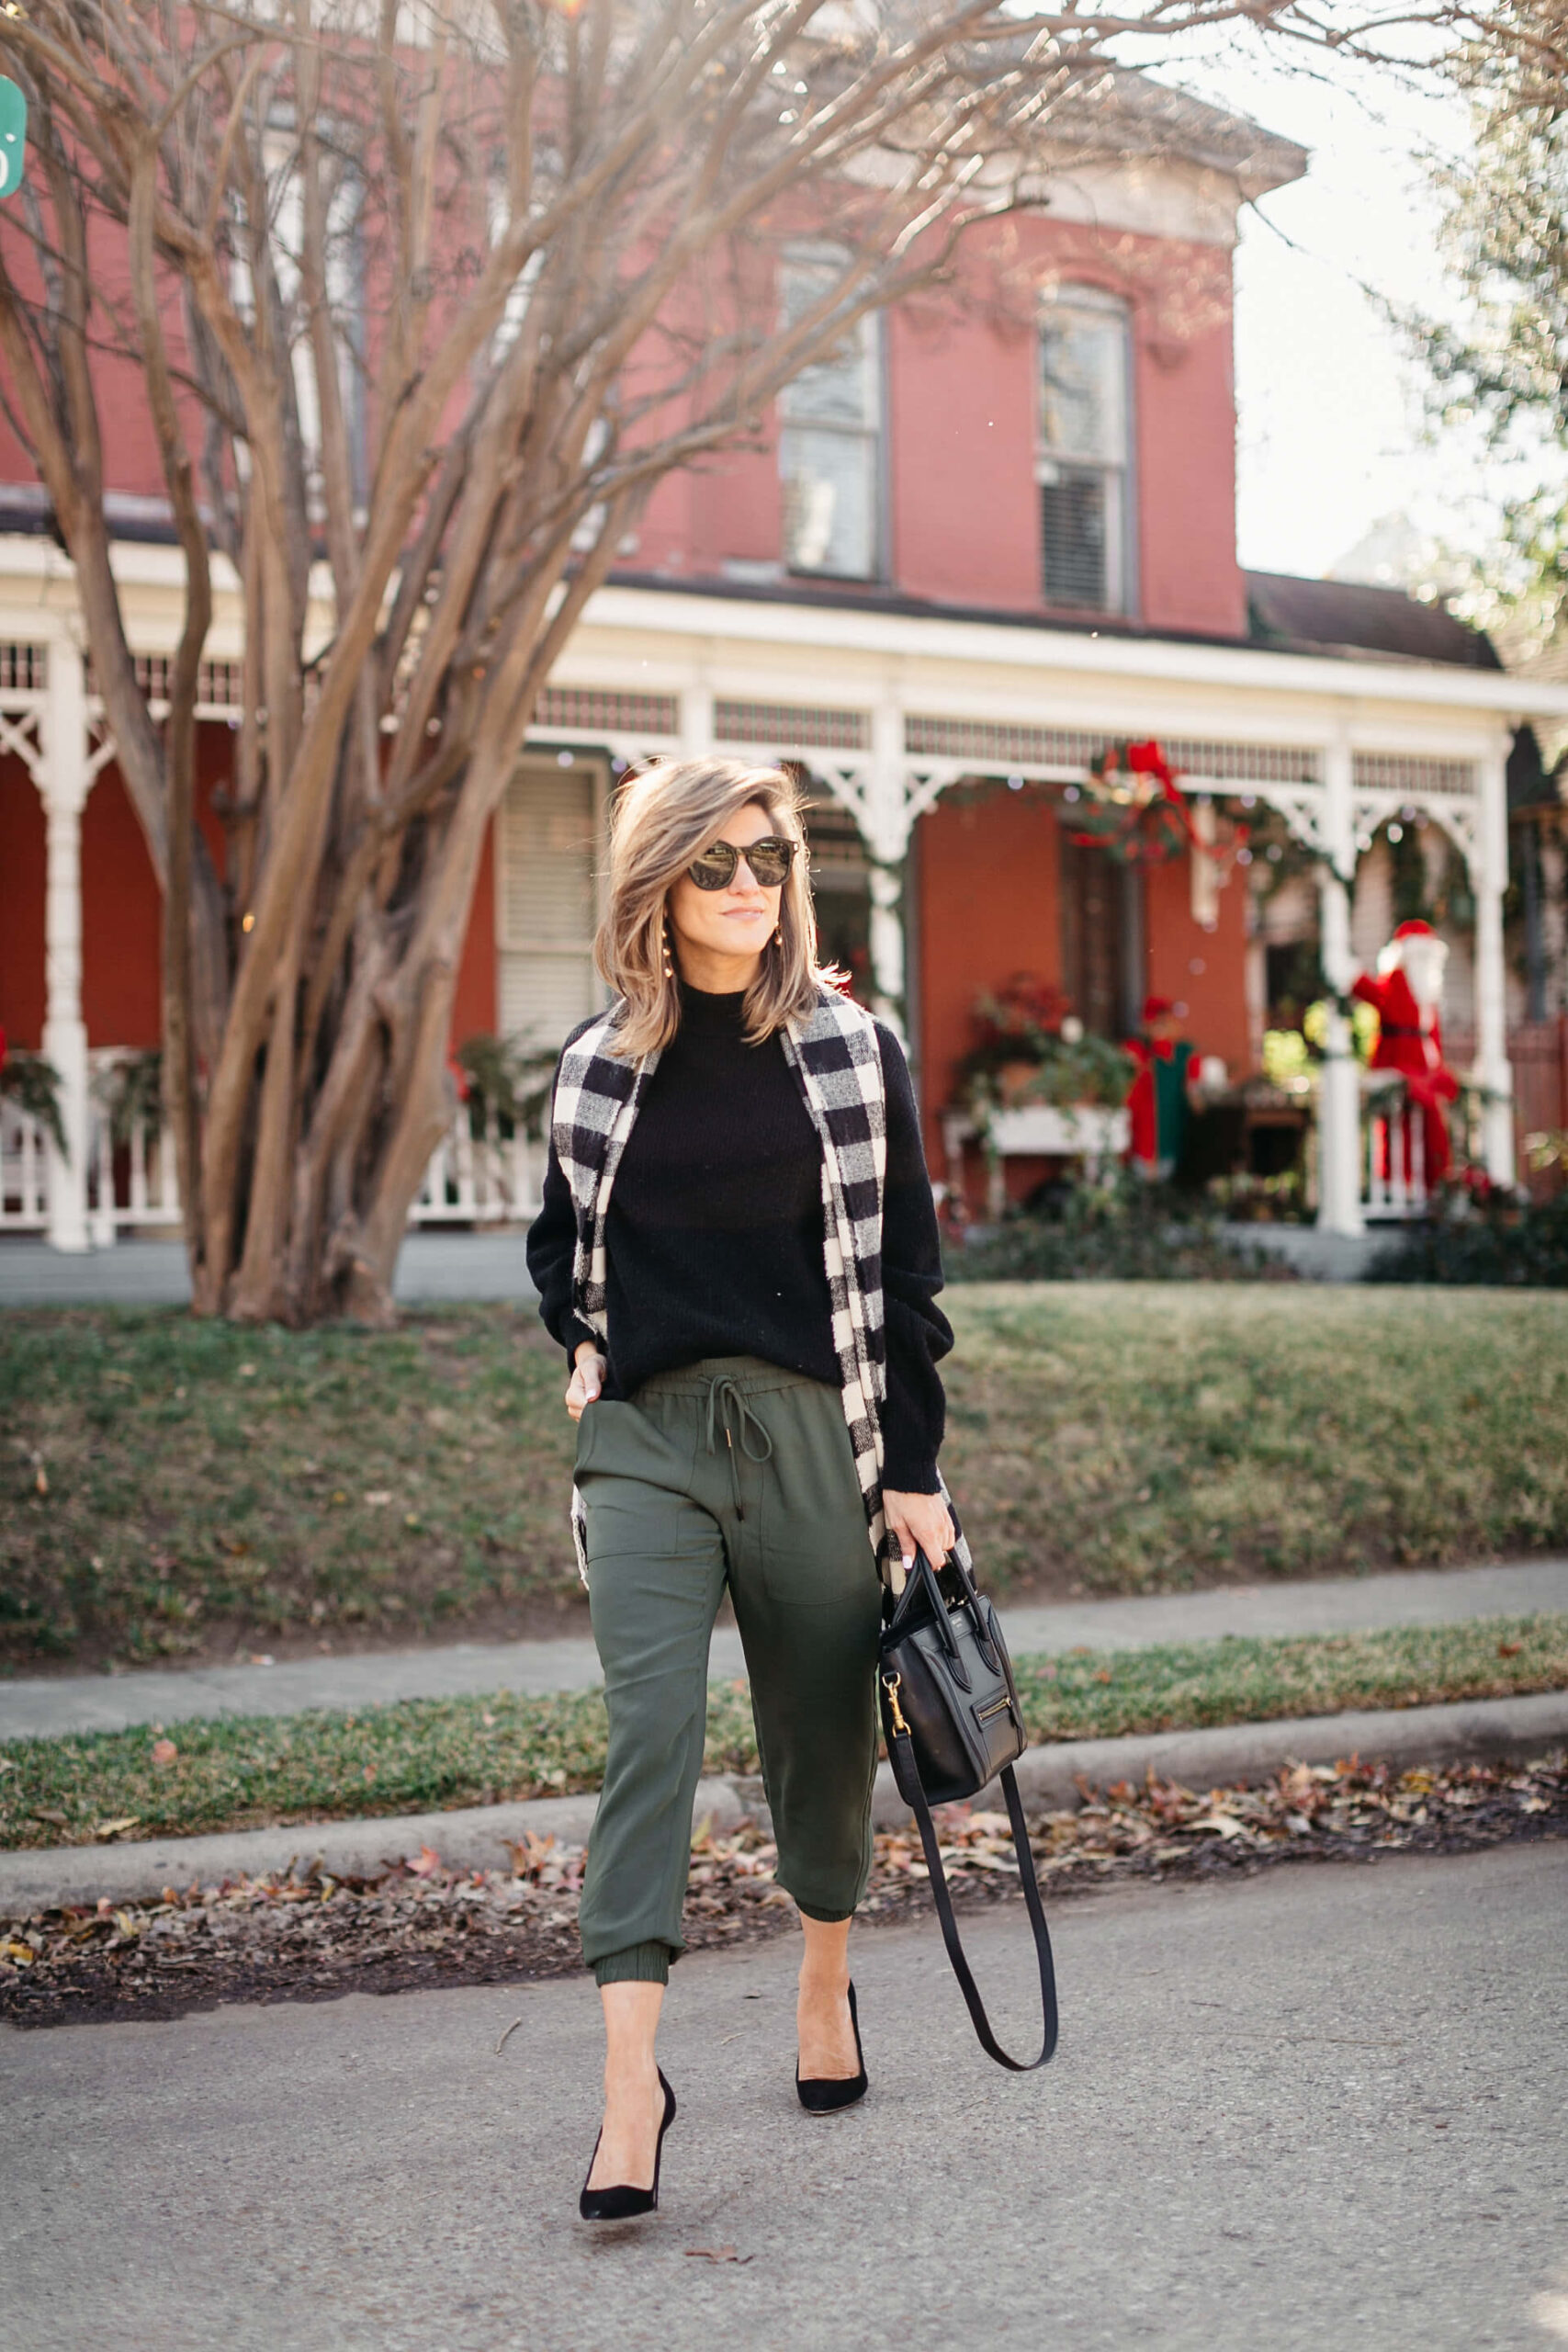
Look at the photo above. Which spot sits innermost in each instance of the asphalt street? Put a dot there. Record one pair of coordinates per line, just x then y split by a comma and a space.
1321, 2109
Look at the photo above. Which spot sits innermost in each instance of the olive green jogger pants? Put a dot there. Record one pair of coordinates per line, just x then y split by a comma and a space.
730, 1471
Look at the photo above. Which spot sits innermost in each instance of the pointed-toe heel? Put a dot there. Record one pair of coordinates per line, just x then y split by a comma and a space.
826, 2093
621, 2203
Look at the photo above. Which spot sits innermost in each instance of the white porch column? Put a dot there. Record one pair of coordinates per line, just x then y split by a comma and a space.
697, 721
1339, 1094
885, 829
64, 784
1490, 878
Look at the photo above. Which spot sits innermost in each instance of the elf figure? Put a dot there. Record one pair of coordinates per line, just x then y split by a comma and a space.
1157, 1101
1406, 996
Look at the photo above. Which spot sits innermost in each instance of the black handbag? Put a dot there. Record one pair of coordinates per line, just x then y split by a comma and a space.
953, 1723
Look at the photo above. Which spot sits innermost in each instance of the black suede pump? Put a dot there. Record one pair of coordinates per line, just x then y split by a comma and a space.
826, 2093
621, 2203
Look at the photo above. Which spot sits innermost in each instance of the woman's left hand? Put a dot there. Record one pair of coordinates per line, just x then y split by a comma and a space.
924, 1519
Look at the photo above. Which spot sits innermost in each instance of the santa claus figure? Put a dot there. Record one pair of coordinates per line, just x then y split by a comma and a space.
1406, 996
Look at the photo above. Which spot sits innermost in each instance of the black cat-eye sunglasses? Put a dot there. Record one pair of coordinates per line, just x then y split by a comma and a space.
769, 859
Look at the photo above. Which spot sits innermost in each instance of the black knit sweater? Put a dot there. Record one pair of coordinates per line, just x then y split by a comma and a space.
715, 1233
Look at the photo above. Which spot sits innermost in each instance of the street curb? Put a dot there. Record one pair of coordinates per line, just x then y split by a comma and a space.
474, 1837
479, 1837
1458, 1730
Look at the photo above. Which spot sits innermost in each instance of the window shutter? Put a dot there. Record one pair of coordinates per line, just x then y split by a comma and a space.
547, 913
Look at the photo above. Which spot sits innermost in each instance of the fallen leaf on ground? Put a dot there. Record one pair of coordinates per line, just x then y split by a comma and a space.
274, 1935
164, 1751
427, 1863
719, 2254
116, 1828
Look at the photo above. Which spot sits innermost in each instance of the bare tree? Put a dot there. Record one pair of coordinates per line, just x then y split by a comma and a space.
432, 297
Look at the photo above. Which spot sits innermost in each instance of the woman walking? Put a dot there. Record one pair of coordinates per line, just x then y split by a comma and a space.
738, 1250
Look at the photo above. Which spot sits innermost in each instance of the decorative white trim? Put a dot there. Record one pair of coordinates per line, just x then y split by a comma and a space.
843, 631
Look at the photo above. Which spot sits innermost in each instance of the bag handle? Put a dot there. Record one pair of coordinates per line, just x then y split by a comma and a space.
925, 1572
910, 1778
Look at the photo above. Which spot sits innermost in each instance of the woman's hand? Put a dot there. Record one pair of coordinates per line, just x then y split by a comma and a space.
924, 1519
587, 1379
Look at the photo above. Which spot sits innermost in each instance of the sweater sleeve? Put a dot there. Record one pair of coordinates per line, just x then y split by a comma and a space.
551, 1248
919, 1333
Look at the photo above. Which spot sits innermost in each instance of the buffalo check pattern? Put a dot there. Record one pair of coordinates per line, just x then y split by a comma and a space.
835, 1054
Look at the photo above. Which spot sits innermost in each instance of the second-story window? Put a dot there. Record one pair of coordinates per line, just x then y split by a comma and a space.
830, 440
1085, 451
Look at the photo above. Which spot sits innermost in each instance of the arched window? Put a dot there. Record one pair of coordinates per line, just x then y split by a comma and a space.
1084, 465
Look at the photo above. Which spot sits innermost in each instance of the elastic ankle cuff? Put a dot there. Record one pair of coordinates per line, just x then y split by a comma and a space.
638, 1964
827, 1918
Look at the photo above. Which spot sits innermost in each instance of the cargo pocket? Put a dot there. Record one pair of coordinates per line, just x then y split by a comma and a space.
634, 1477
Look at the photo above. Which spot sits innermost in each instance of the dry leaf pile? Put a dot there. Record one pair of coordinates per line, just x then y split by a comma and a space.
307, 1935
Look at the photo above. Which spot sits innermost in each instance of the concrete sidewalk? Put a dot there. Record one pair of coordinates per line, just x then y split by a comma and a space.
1320, 2110
41, 1707
433, 1270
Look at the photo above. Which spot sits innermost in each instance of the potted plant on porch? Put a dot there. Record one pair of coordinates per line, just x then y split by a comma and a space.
1035, 1082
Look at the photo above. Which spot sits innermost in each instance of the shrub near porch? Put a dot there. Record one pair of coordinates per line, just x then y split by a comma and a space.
173, 1488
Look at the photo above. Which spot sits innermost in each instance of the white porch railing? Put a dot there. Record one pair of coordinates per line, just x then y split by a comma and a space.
487, 1180
24, 1172
1393, 1159
133, 1183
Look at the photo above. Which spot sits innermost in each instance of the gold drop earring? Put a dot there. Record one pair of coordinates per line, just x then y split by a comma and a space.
669, 966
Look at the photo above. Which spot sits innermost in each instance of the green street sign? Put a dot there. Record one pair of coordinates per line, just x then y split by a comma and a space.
13, 137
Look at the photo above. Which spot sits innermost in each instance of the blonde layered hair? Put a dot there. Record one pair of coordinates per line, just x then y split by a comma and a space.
661, 820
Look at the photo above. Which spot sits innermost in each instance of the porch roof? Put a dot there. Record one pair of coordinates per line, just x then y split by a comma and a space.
797, 617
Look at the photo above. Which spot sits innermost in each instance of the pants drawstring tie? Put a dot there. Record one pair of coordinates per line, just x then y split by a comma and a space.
722, 1390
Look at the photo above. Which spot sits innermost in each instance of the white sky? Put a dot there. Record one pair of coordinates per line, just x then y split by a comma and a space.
1331, 430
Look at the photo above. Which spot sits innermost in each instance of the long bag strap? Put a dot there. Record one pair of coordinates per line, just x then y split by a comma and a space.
950, 1935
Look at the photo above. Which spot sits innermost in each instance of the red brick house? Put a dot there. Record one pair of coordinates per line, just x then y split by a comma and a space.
993, 538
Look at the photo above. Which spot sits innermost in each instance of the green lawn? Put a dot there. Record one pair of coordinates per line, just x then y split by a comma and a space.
173, 1488
426, 1755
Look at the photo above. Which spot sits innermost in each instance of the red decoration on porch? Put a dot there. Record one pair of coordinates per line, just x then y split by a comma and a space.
1405, 995
1139, 818
1146, 1146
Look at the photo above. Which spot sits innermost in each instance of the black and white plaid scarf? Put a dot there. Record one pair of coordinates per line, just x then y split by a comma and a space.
837, 1058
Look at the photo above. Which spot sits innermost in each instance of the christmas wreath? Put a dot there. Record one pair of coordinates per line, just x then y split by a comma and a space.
1135, 814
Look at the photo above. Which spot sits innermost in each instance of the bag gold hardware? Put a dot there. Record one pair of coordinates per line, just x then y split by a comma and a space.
890, 1683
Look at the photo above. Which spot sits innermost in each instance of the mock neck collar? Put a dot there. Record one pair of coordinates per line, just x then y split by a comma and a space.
707, 1012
